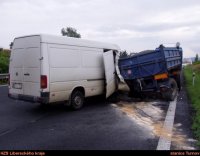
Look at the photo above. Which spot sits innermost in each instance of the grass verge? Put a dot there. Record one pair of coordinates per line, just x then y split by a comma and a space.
194, 95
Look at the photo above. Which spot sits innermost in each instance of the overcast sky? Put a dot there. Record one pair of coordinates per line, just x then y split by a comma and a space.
134, 25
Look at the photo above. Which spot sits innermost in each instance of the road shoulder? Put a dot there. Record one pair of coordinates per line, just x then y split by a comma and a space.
183, 138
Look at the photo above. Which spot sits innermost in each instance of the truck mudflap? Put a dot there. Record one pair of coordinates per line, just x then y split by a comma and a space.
33, 99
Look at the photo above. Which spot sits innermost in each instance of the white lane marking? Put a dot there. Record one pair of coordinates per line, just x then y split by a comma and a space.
164, 142
3, 85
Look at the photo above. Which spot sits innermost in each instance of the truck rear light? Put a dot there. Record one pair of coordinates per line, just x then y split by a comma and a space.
161, 76
43, 82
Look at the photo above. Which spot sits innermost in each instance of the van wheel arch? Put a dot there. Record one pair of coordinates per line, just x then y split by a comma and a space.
77, 98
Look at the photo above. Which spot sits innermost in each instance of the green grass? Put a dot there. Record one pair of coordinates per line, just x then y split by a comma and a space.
194, 96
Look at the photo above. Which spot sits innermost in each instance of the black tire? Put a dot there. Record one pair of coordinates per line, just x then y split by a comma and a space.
77, 99
172, 92
134, 91
135, 94
178, 80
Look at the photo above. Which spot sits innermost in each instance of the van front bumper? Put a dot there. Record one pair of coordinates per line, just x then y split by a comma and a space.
34, 99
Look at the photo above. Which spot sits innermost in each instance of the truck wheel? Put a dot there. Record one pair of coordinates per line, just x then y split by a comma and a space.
178, 80
172, 92
135, 94
77, 99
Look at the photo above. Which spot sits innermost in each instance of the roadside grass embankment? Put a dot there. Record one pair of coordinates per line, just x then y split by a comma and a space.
193, 92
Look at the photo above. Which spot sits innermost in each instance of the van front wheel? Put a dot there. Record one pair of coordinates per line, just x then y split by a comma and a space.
77, 100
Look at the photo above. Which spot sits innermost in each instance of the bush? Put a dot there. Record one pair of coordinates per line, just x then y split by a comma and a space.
4, 61
196, 62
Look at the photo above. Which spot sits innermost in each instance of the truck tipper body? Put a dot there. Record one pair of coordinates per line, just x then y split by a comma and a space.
153, 71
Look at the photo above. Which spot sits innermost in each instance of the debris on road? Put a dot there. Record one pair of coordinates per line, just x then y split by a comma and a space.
150, 115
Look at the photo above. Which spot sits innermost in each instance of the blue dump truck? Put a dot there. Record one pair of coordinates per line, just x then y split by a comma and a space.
153, 71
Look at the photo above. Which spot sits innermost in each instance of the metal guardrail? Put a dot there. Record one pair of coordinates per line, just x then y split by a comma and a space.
4, 78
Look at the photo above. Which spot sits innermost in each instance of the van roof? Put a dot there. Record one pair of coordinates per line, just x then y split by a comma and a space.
53, 39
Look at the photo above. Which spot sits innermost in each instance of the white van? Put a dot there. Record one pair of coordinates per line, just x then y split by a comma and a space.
50, 69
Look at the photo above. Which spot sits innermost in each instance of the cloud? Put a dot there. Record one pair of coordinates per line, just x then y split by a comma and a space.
135, 25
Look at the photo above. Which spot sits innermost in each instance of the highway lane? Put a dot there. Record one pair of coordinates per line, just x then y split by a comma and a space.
98, 126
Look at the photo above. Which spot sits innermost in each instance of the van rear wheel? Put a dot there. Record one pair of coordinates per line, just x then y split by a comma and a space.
77, 99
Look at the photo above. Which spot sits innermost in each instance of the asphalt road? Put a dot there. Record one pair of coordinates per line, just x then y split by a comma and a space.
98, 126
